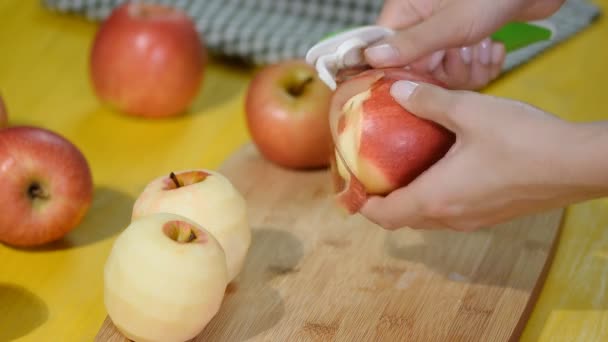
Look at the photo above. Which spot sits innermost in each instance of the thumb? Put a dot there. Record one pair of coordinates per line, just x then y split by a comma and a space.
426, 101
432, 35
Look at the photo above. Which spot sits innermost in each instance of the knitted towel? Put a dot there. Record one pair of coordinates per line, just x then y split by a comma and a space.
267, 31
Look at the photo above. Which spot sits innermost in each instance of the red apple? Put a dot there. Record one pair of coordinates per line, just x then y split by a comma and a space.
147, 60
287, 110
3, 114
46, 186
384, 146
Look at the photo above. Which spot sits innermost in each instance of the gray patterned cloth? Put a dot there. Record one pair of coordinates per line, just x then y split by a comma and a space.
268, 31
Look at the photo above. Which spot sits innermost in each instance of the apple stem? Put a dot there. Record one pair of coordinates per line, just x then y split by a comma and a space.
298, 88
185, 236
175, 180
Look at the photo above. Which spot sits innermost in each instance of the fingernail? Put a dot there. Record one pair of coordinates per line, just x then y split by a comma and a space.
436, 58
485, 51
498, 53
466, 54
402, 90
382, 54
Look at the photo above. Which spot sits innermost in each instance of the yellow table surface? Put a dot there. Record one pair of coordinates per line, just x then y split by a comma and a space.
57, 291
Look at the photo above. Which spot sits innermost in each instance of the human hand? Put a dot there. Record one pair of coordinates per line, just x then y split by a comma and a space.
450, 37
509, 159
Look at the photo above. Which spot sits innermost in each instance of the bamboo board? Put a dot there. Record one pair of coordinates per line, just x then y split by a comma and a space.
314, 274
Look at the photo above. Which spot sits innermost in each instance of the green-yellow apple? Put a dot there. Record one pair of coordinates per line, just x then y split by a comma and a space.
287, 110
209, 199
164, 279
147, 60
46, 183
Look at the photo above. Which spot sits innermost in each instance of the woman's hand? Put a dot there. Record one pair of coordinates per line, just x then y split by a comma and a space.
509, 159
450, 37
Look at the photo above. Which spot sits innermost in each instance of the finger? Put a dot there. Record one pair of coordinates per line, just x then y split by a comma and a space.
480, 72
390, 212
397, 210
456, 68
427, 101
429, 63
540, 10
498, 59
438, 32
399, 14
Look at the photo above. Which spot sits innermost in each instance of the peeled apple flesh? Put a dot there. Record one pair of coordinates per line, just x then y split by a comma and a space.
208, 198
164, 279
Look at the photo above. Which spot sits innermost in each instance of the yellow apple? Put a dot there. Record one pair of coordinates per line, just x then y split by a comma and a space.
164, 279
209, 199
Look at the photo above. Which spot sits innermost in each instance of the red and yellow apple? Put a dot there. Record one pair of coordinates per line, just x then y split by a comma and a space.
3, 114
147, 60
164, 279
287, 110
46, 184
384, 146
207, 198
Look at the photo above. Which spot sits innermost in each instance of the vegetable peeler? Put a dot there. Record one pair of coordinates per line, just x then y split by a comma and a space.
344, 50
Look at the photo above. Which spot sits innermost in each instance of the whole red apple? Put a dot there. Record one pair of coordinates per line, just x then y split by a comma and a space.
3, 114
46, 186
384, 146
287, 110
147, 60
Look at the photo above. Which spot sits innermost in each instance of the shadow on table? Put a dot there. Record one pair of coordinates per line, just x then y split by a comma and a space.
252, 306
22, 312
483, 257
109, 214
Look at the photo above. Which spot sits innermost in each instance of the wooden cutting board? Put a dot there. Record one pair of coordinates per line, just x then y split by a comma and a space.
314, 274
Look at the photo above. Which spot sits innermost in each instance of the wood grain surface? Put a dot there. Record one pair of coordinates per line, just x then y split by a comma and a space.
315, 274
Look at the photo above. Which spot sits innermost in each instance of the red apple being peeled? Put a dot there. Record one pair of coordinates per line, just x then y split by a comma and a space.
287, 110
3, 114
384, 146
147, 60
46, 186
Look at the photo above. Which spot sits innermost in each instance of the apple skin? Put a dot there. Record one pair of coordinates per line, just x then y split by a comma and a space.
159, 287
287, 110
47, 186
208, 198
385, 146
147, 60
3, 114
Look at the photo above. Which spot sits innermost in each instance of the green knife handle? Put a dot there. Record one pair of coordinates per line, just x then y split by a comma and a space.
516, 35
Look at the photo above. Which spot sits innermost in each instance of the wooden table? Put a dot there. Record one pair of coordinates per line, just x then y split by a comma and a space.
57, 291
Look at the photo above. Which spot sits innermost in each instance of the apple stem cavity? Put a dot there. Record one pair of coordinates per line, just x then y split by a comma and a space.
183, 179
185, 236
297, 88
35, 191
183, 232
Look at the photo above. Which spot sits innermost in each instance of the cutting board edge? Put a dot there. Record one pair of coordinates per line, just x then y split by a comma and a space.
540, 281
